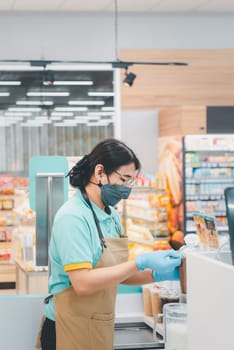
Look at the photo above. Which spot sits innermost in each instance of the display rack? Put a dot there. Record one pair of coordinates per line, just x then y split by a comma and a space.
145, 217
8, 221
12, 194
208, 170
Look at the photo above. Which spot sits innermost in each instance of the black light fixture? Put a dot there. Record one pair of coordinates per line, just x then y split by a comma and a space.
129, 78
48, 78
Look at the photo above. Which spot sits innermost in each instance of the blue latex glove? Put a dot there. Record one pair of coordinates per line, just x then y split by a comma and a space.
162, 261
169, 276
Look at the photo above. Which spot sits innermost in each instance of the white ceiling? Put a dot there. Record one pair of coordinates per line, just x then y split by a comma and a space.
156, 6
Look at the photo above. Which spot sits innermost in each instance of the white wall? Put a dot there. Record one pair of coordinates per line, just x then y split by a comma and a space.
140, 132
91, 36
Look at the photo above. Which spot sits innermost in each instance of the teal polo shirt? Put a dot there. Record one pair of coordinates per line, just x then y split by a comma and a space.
75, 241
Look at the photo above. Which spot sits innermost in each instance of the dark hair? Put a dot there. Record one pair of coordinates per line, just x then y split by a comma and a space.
111, 153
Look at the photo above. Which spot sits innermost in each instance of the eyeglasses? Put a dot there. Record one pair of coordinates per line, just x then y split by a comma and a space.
128, 181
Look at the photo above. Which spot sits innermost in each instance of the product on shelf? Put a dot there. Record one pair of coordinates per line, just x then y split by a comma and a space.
24, 234
206, 230
145, 217
145, 213
204, 166
170, 163
6, 184
10, 198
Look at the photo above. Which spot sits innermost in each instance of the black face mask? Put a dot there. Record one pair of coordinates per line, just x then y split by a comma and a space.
112, 194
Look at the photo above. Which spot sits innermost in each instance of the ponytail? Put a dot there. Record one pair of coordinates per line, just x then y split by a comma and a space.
79, 174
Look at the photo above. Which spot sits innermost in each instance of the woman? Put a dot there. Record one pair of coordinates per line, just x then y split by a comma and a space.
89, 256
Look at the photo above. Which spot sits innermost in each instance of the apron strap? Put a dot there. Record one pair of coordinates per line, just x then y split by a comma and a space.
101, 237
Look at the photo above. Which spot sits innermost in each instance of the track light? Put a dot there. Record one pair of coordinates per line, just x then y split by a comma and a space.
48, 78
129, 78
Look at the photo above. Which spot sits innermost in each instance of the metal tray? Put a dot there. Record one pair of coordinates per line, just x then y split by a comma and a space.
136, 336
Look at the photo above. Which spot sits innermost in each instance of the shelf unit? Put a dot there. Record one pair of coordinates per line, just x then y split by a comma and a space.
208, 169
7, 225
145, 216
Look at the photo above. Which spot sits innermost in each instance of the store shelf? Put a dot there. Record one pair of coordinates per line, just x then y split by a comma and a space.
219, 229
222, 151
207, 172
190, 215
209, 181
144, 217
204, 197
212, 165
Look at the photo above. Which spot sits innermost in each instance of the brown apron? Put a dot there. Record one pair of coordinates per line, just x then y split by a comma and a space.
87, 322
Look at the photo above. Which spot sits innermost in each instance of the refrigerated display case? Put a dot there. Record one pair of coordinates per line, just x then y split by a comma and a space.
198, 169
208, 168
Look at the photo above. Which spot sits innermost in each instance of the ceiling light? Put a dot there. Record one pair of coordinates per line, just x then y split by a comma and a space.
82, 121
63, 114
107, 108
100, 123
41, 117
19, 109
73, 82
4, 94
71, 109
38, 121
48, 93
15, 82
101, 113
55, 117
31, 125
4, 123
129, 78
95, 103
35, 103
88, 66
45, 121
101, 93
21, 114
14, 118
87, 118
20, 67
70, 121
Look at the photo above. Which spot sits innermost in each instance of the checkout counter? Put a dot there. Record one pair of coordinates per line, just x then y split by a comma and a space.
22, 315
210, 304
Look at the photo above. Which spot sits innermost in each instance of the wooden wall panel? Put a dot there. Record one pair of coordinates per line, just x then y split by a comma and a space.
182, 120
207, 80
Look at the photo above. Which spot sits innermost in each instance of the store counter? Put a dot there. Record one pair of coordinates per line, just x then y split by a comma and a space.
21, 316
30, 280
210, 290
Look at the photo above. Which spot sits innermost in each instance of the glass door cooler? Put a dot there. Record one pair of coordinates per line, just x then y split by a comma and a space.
198, 169
208, 168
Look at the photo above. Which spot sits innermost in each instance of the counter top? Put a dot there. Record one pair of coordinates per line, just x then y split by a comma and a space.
28, 266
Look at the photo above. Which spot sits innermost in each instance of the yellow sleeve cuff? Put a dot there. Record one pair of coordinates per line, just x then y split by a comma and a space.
78, 266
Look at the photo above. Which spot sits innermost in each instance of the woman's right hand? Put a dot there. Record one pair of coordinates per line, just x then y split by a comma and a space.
162, 261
